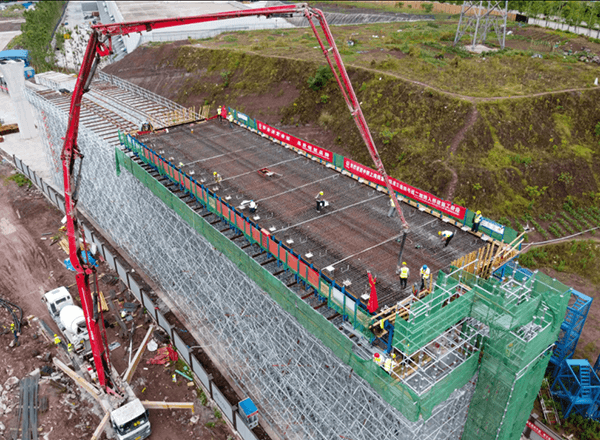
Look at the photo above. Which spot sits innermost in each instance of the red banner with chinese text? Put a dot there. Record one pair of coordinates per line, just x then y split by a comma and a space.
295, 142
416, 194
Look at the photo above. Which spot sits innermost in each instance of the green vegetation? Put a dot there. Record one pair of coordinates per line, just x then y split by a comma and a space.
37, 33
583, 428
320, 79
12, 11
202, 396
579, 257
20, 180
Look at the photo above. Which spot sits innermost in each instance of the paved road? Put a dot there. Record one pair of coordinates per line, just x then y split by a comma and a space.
5, 37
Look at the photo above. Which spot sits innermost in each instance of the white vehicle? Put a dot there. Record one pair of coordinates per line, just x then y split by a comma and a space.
130, 421
69, 318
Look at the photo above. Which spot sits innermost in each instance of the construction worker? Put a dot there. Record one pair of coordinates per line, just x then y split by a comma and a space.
390, 363
230, 119
476, 221
392, 211
377, 359
57, 340
404, 273
219, 114
252, 205
217, 177
320, 201
13, 329
446, 235
425, 272
70, 347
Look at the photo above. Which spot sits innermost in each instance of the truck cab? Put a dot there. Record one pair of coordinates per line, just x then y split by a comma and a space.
130, 421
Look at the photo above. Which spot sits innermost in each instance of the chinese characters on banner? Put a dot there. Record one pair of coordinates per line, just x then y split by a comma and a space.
538, 431
295, 142
407, 190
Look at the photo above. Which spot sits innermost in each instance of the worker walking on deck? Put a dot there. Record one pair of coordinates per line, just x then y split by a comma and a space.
57, 340
230, 119
425, 272
476, 221
217, 177
392, 211
404, 273
446, 235
219, 117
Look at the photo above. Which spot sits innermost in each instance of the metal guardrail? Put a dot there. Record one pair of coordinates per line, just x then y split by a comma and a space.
210, 388
139, 91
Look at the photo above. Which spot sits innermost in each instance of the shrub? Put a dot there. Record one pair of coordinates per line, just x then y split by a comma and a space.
428, 7
321, 78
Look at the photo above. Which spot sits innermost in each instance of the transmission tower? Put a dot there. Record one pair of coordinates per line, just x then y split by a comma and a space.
477, 20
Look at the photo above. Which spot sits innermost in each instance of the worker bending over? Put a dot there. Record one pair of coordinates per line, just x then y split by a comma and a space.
390, 364
252, 205
321, 202
404, 273
446, 235
425, 272
476, 221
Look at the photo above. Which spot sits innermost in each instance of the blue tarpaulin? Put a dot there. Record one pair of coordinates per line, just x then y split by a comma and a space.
91, 259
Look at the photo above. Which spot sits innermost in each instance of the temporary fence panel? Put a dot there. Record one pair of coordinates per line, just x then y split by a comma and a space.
149, 304
222, 402
181, 347
135, 289
122, 272
162, 321
200, 372
243, 429
110, 259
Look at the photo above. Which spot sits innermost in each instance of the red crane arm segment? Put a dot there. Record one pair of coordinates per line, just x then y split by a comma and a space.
148, 25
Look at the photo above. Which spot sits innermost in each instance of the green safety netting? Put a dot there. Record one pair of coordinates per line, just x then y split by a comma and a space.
512, 364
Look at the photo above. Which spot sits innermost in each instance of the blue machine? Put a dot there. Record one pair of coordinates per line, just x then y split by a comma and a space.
18, 55
249, 412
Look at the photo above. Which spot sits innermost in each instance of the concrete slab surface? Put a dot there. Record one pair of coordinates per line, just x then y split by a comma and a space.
353, 234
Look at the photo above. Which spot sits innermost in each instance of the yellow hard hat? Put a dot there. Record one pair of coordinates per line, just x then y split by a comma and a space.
394, 356
404, 263
321, 193
439, 232
215, 173
478, 212
55, 335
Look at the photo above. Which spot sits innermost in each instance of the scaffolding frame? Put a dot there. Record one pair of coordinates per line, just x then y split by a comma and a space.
303, 390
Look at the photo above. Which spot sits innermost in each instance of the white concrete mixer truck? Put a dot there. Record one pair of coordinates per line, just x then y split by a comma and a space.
70, 320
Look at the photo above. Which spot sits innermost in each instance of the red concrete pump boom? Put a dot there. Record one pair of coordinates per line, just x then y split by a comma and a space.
100, 45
